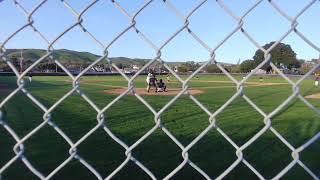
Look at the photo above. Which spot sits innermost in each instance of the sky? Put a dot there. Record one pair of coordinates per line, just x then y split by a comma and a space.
211, 23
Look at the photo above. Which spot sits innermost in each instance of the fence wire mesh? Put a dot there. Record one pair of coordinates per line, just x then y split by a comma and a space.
240, 21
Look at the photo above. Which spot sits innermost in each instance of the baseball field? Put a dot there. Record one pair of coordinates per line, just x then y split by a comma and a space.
129, 119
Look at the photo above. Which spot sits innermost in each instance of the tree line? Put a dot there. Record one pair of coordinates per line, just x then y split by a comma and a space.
282, 56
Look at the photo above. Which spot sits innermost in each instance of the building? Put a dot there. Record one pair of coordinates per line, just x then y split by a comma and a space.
135, 67
260, 71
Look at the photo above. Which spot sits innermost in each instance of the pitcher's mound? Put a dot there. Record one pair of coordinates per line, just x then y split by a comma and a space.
143, 91
314, 96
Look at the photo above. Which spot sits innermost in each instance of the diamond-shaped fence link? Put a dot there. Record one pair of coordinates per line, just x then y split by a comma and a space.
19, 147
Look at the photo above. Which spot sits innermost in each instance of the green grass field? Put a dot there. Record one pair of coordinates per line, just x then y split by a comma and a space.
129, 119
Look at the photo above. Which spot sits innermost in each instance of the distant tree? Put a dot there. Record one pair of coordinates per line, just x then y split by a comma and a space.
307, 66
315, 60
235, 69
212, 68
192, 66
183, 68
281, 55
163, 69
301, 61
4, 67
247, 66
27, 62
143, 63
120, 65
15, 61
304, 69
51, 67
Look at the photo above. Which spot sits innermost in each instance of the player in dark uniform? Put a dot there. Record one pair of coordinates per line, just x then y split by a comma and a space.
162, 86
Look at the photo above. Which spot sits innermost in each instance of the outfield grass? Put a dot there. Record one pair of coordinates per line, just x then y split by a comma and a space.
129, 119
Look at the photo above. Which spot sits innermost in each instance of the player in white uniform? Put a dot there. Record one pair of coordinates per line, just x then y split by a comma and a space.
30, 77
316, 82
152, 81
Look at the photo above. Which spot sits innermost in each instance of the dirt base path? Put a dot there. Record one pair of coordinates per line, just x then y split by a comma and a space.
143, 91
313, 96
174, 91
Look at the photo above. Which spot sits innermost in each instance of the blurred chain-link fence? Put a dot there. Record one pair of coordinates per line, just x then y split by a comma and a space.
19, 147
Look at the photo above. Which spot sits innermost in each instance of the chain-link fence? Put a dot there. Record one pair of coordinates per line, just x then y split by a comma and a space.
19, 147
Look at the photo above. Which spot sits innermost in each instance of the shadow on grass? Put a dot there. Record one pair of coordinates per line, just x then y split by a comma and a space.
128, 120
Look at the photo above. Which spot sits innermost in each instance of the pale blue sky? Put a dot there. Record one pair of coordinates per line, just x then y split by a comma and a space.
211, 23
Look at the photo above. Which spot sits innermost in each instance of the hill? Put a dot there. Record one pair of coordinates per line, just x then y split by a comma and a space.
70, 56
75, 61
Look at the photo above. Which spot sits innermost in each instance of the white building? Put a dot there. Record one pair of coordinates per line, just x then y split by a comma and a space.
135, 67
260, 71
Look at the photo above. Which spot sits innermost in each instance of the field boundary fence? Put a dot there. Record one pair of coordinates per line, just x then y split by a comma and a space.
163, 74
133, 24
